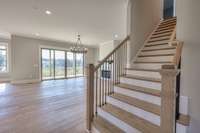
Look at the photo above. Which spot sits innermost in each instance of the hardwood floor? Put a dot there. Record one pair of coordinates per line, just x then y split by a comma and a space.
46, 107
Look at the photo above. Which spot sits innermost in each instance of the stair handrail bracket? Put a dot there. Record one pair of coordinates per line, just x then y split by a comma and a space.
102, 78
168, 98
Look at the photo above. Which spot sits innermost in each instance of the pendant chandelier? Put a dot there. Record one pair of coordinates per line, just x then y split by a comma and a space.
78, 47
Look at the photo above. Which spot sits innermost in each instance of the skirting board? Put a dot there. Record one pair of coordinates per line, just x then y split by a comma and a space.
25, 81
4, 80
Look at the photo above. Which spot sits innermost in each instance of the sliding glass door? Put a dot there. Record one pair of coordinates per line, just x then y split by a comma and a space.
79, 64
57, 64
70, 64
47, 64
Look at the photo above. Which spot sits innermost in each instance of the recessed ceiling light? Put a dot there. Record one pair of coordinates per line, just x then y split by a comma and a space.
37, 34
116, 36
48, 12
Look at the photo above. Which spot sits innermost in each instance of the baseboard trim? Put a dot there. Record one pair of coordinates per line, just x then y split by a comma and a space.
25, 81
4, 80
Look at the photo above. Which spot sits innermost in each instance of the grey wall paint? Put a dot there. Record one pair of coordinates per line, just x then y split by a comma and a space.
143, 17
25, 56
188, 30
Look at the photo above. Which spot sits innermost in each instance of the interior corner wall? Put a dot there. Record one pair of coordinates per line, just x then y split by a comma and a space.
143, 15
188, 31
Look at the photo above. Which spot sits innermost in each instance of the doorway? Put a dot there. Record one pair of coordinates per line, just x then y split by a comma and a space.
61, 64
169, 9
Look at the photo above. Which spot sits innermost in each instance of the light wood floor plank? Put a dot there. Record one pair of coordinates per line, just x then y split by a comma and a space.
46, 107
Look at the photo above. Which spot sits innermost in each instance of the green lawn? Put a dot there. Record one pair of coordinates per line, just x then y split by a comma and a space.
60, 72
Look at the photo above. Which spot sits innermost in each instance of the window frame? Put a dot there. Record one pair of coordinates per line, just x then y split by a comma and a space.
7, 57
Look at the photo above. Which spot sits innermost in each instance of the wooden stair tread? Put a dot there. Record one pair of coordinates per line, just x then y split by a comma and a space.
146, 106
157, 43
167, 27
143, 78
161, 32
103, 126
169, 20
168, 24
184, 120
161, 35
164, 30
140, 69
153, 55
153, 62
155, 38
136, 122
149, 91
156, 49
158, 39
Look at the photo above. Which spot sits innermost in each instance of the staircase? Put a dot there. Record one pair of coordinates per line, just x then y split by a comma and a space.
142, 98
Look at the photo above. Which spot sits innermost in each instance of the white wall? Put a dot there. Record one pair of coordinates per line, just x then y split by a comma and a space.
188, 30
143, 15
25, 57
106, 48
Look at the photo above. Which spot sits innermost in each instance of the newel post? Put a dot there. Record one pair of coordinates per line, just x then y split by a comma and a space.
168, 98
90, 96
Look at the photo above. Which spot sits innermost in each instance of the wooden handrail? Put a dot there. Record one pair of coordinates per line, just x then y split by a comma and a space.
179, 46
113, 51
101, 79
173, 37
177, 57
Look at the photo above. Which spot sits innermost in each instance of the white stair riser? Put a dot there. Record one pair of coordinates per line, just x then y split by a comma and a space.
141, 96
127, 128
142, 83
170, 51
117, 122
156, 58
184, 105
155, 119
157, 47
94, 130
184, 100
147, 66
144, 73
181, 128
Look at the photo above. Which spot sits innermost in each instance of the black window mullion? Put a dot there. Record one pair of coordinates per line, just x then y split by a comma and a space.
75, 64
54, 65
65, 64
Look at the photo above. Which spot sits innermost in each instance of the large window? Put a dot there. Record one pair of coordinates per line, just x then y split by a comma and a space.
58, 64
3, 58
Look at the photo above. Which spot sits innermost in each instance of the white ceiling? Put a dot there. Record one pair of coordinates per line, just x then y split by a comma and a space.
96, 20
